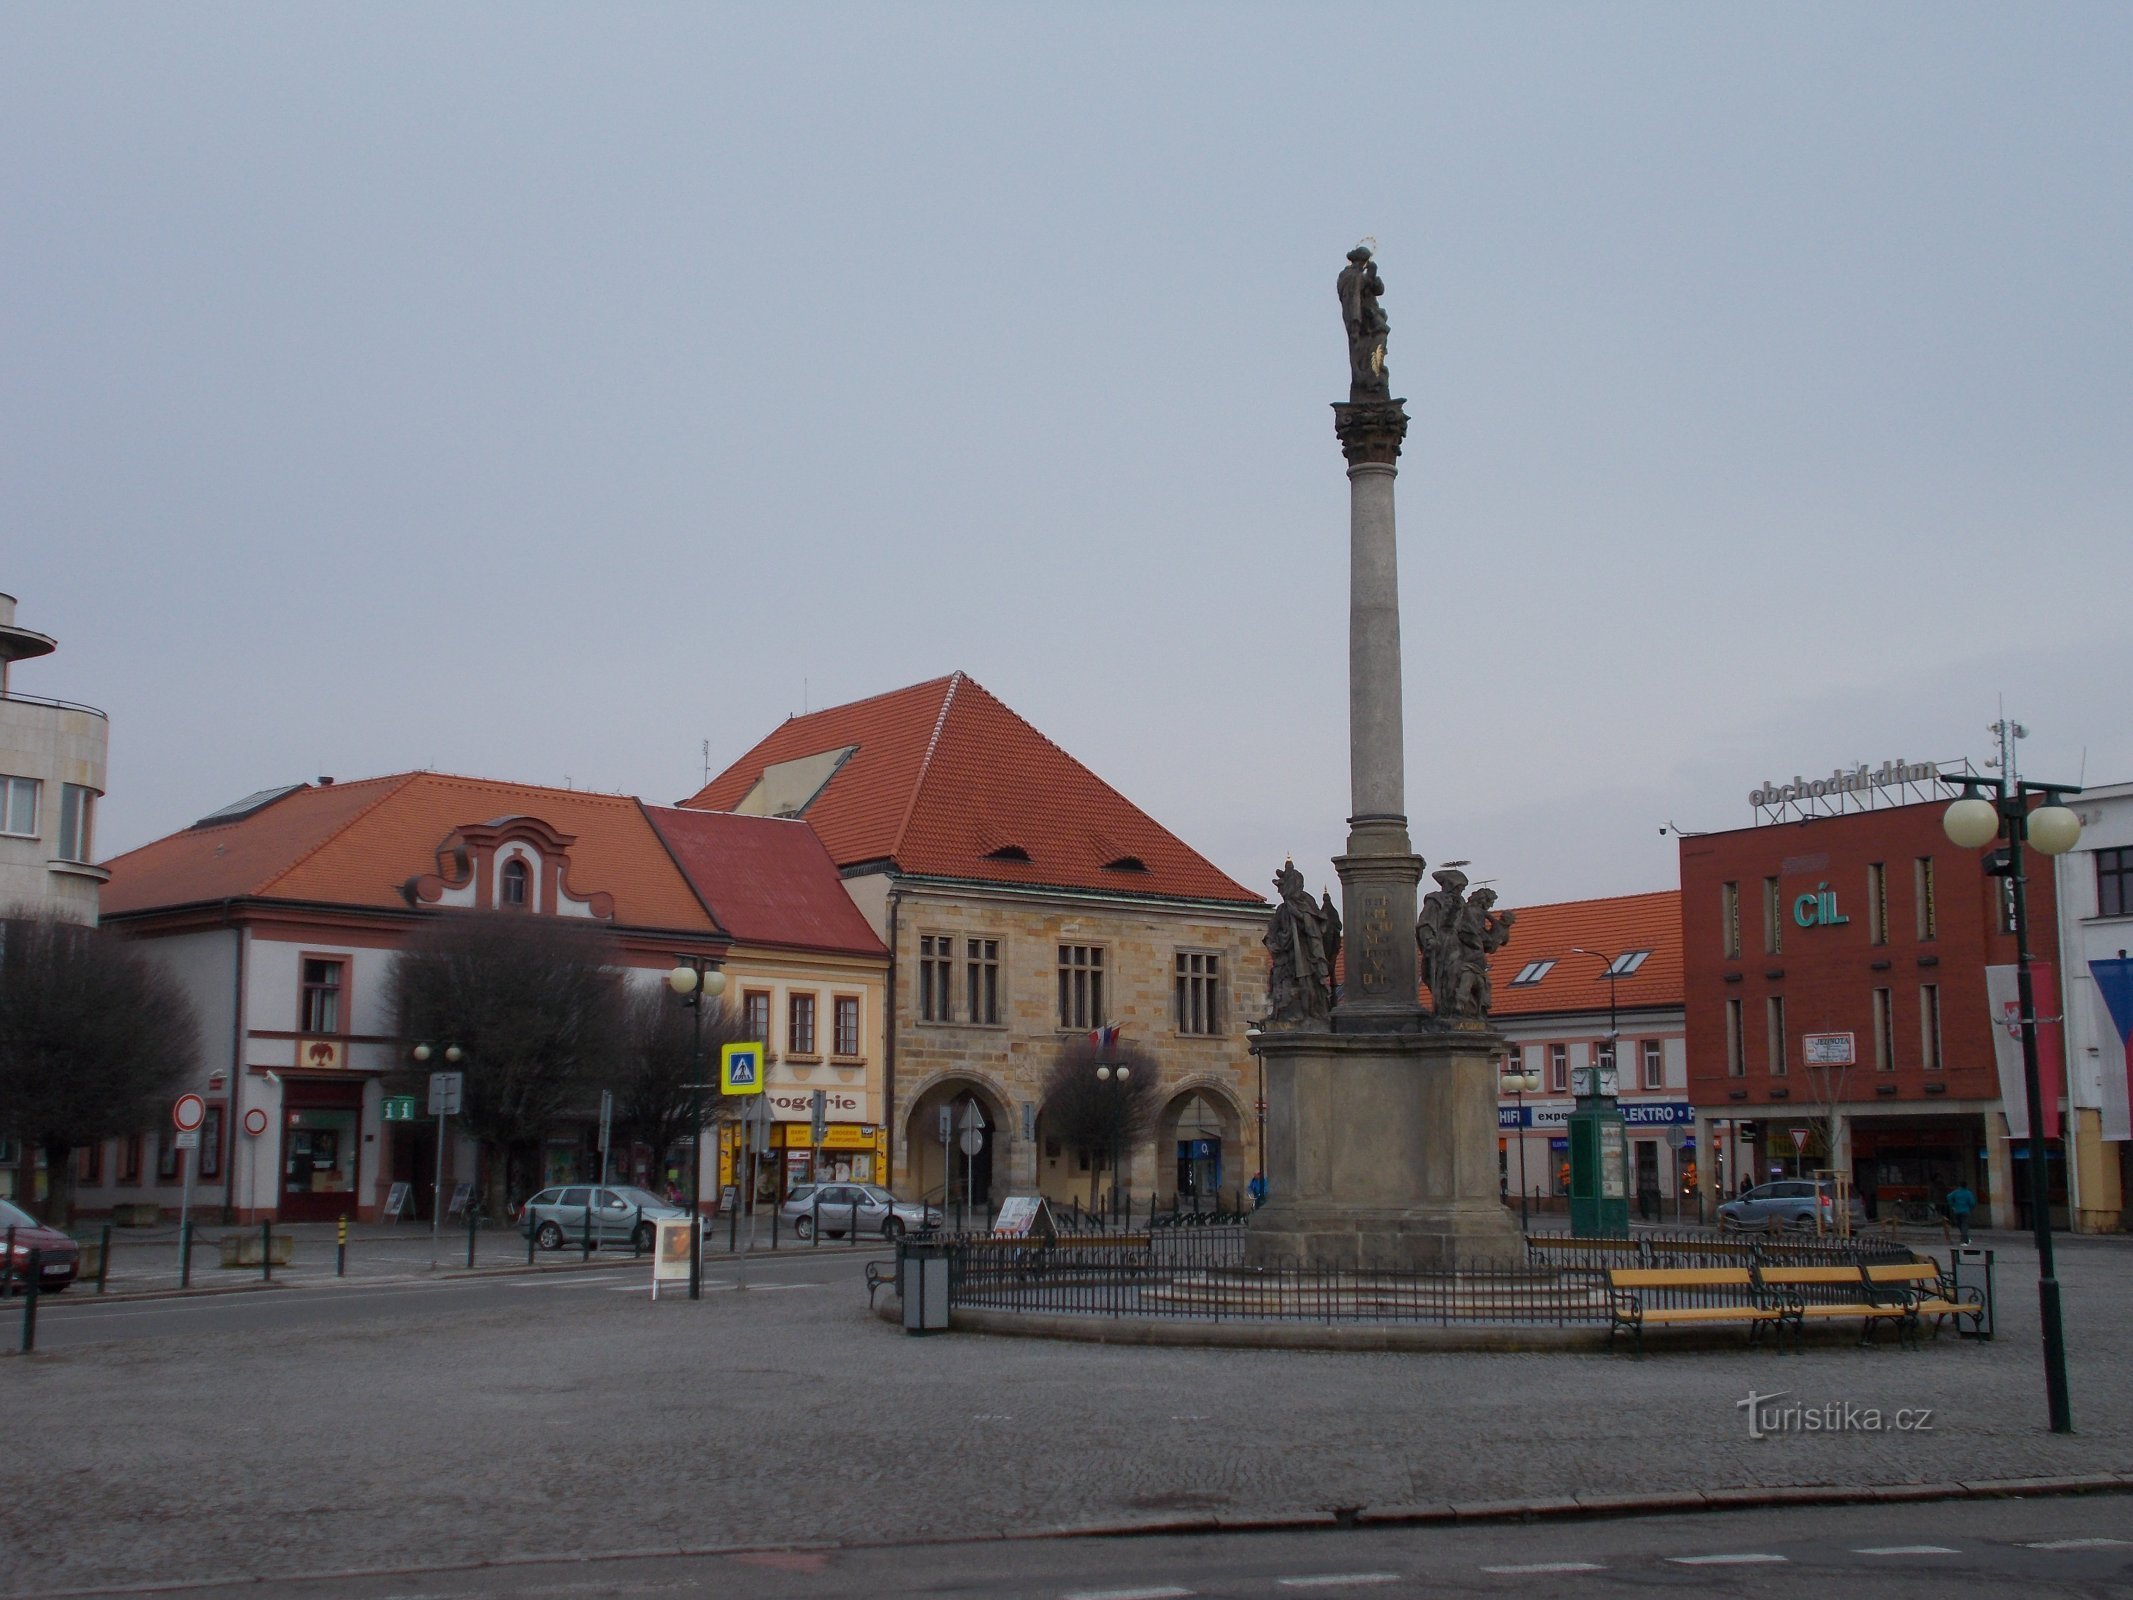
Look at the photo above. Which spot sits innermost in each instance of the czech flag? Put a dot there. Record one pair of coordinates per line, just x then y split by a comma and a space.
2114, 987
1103, 1040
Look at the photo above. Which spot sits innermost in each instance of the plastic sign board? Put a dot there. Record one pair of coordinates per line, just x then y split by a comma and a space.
445, 1091
397, 1108
1828, 1050
186, 1139
740, 1069
187, 1112
1024, 1214
670, 1253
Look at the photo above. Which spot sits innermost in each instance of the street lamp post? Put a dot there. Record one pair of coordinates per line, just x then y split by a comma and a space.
1972, 822
1117, 1075
452, 1056
696, 980
1521, 1084
1612, 963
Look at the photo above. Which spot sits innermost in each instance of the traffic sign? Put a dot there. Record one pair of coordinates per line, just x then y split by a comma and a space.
740, 1069
973, 1119
1799, 1140
255, 1122
971, 1141
398, 1108
446, 1089
1677, 1136
186, 1139
188, 1112
818, 1118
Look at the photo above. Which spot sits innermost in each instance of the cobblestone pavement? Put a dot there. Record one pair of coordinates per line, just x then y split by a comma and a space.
586, 1420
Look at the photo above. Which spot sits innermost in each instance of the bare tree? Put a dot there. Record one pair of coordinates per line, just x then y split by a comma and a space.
536, 1004
1092, 1116
95, 1042
654, 1103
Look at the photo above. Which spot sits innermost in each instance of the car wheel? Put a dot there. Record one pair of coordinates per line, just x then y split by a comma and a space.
804, 1227
892, 1228
549, 1236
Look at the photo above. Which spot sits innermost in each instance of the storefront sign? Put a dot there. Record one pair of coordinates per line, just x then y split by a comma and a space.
798, 1105
1635, 1114
1828, 1050
1819, 909
1858, 780
321, 1055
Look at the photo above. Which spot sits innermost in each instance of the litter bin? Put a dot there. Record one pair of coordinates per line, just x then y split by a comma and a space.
922, 1280
1970, 1267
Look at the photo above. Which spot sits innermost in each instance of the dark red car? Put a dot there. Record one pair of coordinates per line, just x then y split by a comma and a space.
59, 1257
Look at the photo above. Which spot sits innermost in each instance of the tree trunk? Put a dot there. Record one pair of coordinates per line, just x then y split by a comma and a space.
59, 1182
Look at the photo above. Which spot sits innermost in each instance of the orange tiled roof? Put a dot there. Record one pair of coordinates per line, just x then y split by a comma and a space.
1617, 926
356, 843
945, 781
767, 880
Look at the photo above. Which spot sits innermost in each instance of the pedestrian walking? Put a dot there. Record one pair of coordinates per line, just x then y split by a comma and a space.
1961, 1202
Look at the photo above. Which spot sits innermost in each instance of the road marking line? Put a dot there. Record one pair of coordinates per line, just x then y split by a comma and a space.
1168, 1591
1336, 1580
1743, 1560
1549, 1566
2075, 1544
1908, 1550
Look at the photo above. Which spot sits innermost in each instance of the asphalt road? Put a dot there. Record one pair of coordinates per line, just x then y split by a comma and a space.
75, 1319
1927, 1551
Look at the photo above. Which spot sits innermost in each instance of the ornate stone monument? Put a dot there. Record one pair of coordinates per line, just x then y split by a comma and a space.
1381, 1116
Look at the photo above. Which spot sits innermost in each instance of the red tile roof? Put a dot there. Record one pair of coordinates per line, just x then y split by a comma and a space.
356, 843
767, 880
945, 781
1616, 926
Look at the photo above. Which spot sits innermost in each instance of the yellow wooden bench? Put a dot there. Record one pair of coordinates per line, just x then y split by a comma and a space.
1931, 1293
1654, 1297
1839, 1292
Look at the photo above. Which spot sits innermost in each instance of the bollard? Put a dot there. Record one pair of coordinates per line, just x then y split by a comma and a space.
103, 1261
185, 1255
340, 1250
266, 1250
29, 1301
585, 1234
637, 1234
814, 1227
470, 1238
853, 1236
7, 1267
733, 1228
531, 1228
775, 1213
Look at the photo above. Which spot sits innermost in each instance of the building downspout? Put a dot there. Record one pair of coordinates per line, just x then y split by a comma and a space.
235, 1121
888, 1056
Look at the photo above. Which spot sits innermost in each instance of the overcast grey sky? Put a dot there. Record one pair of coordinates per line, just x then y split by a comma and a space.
540, 391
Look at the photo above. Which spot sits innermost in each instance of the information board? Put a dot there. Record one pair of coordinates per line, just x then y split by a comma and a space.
1023, 1214
670, 1253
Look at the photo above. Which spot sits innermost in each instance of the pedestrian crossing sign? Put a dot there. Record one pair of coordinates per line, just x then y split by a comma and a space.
740, 1069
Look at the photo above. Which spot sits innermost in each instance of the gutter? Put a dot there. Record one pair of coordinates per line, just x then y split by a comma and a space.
888, 1052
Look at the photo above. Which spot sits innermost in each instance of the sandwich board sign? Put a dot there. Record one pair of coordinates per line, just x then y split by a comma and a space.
740, 1068
670, 1252
1022, 1215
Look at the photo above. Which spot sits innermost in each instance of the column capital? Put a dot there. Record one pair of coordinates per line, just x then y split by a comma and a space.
1370, 431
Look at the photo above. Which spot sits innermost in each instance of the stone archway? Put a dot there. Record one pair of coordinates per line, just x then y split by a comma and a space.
974, 1179
1200, 1143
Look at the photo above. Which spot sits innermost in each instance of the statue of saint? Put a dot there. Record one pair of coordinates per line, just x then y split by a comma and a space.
1360, 287
1483, 930
1458, 934
1302, 943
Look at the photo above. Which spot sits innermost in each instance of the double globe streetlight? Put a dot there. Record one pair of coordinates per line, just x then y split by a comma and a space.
696, 980
451, 1055
1519, 1085
1119, 1075
2003, 811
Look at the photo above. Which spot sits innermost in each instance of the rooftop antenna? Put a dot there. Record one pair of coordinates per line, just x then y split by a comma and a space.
707, 761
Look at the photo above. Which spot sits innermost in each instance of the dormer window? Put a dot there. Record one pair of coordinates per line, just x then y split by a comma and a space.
512, 886
1007, 852
1126, 864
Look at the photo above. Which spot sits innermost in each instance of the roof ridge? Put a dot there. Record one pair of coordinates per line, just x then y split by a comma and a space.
385, 793
925, 764
1597, 900
869, 699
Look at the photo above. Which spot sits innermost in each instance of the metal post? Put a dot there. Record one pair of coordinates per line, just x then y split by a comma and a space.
470, 1238
340, 1249
696, 1135
530, 1242
7, 1267
853, 1236
814, 1227
103, 1261
585, 1234
777, 1214
733, 1223
437, 1194
29, 1301
185, 1255
2055, 1390
637, 1234
266, 1250
1523, 1225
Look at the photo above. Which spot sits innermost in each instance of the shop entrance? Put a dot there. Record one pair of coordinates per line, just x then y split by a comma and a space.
321, 1149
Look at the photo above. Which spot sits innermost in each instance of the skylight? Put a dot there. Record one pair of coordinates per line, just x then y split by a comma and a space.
1533, 972
1626, 963
257, 800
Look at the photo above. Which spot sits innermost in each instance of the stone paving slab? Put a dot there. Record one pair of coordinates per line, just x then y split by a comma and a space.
576, 1423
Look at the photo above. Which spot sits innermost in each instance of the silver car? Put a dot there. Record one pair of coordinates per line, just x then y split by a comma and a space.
555, 1218
1789, 1203
844, 1206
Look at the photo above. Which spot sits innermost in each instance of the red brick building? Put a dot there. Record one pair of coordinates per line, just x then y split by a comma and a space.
1868, 925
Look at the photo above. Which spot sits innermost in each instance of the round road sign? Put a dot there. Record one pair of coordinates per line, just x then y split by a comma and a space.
255, 1122
972, 1140
188, 1113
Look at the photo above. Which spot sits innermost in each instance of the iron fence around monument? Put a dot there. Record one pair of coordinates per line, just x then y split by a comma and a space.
1689, 1249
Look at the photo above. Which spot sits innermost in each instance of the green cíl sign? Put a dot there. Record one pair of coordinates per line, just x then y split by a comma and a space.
400, 1108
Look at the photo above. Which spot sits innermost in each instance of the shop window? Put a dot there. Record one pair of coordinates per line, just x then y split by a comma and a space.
319, 1152
1922, 889
936, 954
1773, 920
1654, 1064
1884, 1028
1081, 986
1729, 920
1736, 1055
981, 967
755, 1015
800, 1025
1197, 986
1559, 1068
1929, 1026
1774, 1021
844, 1023
322, 996
2114, 883
1877, 903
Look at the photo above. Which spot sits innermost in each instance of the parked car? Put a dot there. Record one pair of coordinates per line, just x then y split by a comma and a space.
1793, 1203
878, 1211
555, 1218
59, 1257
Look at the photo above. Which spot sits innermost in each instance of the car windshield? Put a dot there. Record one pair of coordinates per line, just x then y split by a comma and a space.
13, 1216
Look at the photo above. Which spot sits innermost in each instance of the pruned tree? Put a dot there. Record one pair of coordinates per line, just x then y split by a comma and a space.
1093, 1116
96, 1040
536, 1004
654, 1103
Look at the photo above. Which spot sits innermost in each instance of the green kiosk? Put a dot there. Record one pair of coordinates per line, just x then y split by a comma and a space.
1599, 1157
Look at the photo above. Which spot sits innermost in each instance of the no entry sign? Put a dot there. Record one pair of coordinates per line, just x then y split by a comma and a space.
255, 1122
188, 1112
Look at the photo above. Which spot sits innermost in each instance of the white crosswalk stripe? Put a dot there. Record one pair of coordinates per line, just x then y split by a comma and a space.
1548, 1566
2075, 1544
1907, 1550
1168, 1591
1744, 1559
1337, 1580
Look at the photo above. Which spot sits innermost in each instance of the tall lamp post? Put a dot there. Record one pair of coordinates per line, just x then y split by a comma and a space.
1520, 1084
1118, 1075
696, 980
1612, 963
1998, 808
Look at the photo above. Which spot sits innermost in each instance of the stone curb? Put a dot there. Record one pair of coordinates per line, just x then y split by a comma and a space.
1556, 1508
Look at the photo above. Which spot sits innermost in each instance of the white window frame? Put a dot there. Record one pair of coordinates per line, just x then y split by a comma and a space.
12, 789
